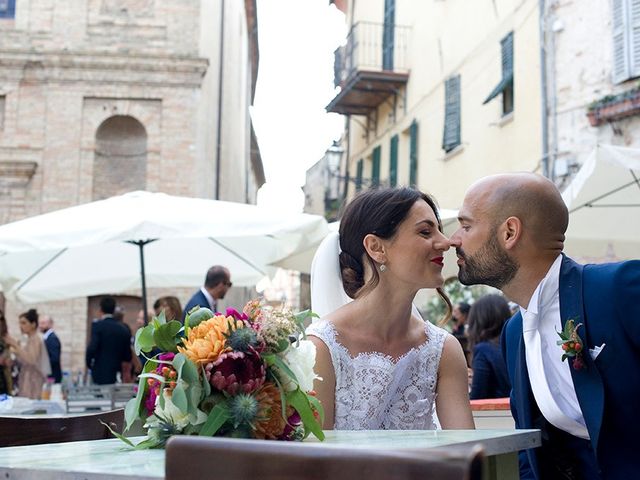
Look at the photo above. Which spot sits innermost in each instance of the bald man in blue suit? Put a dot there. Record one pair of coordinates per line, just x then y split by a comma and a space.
511, 237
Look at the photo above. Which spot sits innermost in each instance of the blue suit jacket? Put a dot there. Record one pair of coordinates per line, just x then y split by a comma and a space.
605, 298
197, 299
54, 349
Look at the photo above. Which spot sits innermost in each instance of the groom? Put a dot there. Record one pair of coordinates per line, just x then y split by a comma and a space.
511, 237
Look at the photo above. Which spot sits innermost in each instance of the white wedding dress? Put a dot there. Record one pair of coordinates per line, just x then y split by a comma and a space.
377, 392
373, 391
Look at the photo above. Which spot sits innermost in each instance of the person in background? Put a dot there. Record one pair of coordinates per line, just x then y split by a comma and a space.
110, 345
459, 314
486, 319
216, 284
32, 355
54, 348
6, 386
171, 307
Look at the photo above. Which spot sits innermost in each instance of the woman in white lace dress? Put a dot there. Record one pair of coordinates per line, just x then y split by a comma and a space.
382, 366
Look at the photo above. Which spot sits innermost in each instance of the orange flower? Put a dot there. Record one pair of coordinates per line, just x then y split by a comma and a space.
270, 424
207, 340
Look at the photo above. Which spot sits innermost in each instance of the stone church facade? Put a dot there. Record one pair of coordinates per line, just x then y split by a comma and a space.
102, 97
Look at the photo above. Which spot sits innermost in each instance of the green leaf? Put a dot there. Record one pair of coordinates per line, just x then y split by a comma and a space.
300, 401
133, 407
118, 435
179, 398
206, 386
283, 399
217, 417
144, 339
155, 376
281, 365
148, 443
189, 371
315, 403
165, 336
301, 318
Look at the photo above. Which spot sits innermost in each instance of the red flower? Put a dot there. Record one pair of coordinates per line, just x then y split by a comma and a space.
235, 372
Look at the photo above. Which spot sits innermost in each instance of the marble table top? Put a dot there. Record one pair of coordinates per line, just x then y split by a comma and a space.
102, 459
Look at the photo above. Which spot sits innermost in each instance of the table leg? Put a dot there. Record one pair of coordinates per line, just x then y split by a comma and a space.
501, 467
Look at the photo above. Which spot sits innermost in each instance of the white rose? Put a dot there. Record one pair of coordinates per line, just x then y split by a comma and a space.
301, 358
174, 415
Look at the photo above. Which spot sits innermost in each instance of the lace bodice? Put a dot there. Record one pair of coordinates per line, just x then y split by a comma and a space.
377, 392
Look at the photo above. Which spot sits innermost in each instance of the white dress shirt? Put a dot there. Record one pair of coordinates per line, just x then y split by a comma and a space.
212, 302
549, 376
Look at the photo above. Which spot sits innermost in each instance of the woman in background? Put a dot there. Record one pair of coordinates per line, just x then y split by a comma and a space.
32, 355
486, 319
171, 307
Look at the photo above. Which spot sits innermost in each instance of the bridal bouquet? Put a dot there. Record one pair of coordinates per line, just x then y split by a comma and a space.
244, 374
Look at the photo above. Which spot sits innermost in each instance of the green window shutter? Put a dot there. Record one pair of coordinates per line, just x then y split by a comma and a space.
359, 169
393, 161
388, 40
413, 154
451, 136
506, 45
375, 167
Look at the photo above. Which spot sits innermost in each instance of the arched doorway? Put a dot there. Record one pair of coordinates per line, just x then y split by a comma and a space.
120, 162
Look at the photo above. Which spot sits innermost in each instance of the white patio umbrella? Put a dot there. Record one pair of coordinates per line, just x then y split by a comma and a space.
301, 260
145, 239
604, 205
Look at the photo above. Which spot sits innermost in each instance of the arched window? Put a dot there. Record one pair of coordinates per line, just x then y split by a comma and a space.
120, 163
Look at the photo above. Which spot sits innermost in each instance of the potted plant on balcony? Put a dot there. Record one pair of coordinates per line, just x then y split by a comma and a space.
614, 107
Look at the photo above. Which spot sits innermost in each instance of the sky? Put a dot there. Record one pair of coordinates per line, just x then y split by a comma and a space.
297, 39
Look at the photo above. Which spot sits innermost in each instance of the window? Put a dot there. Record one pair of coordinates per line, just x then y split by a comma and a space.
413, 154
388, 34
7, 8
359, 168
505, 85
626, 40
393, 161
451, 137
375, 167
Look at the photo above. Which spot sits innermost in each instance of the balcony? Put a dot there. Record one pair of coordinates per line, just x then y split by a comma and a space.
370, 67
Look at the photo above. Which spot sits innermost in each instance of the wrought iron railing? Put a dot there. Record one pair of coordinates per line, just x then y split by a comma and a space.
372, 47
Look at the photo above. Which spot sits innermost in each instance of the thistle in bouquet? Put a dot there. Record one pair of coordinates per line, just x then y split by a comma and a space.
243, 374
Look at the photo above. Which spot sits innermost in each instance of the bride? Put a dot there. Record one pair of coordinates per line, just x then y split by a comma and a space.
382, 366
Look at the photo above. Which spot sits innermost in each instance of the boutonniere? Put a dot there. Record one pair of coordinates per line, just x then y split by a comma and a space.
572, 344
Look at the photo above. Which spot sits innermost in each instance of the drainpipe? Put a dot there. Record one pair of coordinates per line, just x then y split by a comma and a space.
347, 159
220, 78
543, 85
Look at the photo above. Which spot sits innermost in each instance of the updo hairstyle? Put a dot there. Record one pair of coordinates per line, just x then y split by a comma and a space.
31, 316
378, 212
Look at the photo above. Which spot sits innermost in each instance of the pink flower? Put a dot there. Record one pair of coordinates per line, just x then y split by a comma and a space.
235, 372
232, 312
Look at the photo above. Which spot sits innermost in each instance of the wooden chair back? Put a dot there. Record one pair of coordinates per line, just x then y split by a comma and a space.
189, 457
32, 430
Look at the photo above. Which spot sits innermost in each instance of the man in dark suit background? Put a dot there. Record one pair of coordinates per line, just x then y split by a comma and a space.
54, 348
110, 345
216, 284
511, 237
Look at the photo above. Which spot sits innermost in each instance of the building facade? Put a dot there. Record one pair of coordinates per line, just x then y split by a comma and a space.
438, 94
102, 97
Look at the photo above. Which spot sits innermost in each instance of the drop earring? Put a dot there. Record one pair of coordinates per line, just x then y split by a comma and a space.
383, 267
